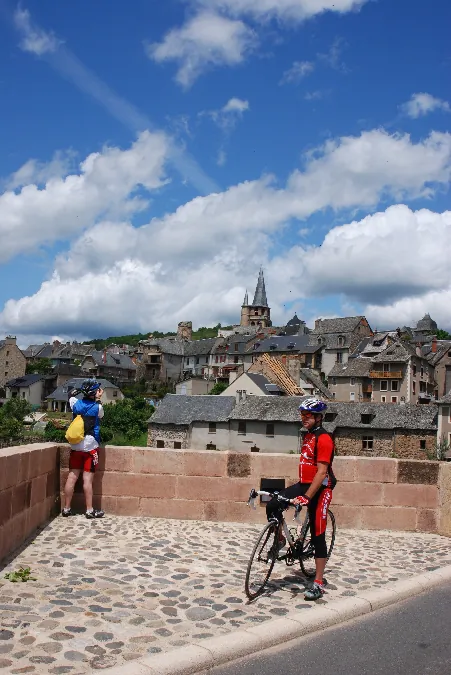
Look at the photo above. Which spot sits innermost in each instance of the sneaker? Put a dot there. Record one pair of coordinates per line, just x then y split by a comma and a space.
94, 513
315, 592
67, 512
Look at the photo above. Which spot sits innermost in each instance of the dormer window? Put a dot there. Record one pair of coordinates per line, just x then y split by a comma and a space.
341, 341
320, 340
291, 345
272, 347
366, 418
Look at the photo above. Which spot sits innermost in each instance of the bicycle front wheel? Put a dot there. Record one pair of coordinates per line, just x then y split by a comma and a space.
262, 561
307, 557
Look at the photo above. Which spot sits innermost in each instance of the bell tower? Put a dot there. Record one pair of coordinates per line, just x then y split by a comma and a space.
258, 314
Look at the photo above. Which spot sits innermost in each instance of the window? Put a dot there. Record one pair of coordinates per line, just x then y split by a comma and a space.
414, 370
235, 359
394, 385
423, 444
216, 358
449, 354
422, 387
242, 428
366, 418
384, 385
339, 357
236, 347
7, 352
270, 429
367, 442
341, 341
212, 428
383, 399
197, 361
334, 380
352, 396
177, 445
421, 371
352, 381
414, 387
394, 399
115, 393
160, 444
23, 394
6, 363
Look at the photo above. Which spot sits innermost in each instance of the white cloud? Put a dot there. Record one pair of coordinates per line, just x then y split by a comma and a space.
408, 310
420, 105
333, 58
34, 39
292, 10
40, 173
105, 184
194, 263
297, 72
203, 42
227, 116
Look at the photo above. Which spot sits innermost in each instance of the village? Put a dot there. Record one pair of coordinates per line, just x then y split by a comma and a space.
388, 391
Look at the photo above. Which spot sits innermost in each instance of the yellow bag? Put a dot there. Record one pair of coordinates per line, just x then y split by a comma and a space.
76, 431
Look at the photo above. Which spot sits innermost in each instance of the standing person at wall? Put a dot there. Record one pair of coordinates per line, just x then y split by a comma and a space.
84, 456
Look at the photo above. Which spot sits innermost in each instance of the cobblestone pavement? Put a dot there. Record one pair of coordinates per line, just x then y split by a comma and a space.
110, 591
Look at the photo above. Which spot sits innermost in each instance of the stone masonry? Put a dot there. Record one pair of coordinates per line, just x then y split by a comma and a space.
169, 434
12, 361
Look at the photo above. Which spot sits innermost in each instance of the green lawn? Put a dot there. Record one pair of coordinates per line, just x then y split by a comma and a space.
118, 439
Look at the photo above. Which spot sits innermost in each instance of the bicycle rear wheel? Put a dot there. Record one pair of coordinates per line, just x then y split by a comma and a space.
307, 557
262, 561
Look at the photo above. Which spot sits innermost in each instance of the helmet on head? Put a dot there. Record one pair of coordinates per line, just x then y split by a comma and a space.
313, 405
89, 387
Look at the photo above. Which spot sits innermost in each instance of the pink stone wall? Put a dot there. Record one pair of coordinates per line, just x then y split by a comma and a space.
29, 492
372, 493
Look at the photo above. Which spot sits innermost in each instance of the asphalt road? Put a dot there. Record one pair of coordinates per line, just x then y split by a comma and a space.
411, 638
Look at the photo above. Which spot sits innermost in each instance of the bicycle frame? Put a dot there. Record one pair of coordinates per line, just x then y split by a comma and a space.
282, 523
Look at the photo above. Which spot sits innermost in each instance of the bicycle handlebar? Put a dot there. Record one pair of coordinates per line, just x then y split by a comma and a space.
280, 498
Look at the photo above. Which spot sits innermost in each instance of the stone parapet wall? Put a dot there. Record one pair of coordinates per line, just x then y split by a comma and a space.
29, 492
372, 493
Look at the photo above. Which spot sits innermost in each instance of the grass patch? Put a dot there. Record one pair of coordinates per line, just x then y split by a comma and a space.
22, 574
119, 439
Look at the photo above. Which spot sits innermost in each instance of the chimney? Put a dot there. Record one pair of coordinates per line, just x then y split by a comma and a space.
418, 350
434, 345
243, 395
237, 396
10, 340
317, 322
185, 330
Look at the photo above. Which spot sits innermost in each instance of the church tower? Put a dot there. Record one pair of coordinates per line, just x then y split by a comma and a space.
258, 314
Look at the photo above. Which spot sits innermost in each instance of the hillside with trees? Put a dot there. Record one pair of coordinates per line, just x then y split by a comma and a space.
133, 340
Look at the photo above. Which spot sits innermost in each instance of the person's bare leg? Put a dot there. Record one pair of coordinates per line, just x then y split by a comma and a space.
320, 564
88, 478
70, 487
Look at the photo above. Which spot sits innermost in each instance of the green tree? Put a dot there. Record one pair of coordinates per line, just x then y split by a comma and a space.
40, 366
443, 335
218, 388
12, 415
126, 419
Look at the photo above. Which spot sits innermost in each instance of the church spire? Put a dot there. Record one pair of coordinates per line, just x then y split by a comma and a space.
260, 299
246, 300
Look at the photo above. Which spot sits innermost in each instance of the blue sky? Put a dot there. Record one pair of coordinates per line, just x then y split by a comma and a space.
154, 157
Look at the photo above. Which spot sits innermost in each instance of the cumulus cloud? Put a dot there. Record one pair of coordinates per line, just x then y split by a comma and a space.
297, 72
120, 277
420, 105
34, 39
284, 10
34, 171
227, 116
219, 33
203, 42
105, 183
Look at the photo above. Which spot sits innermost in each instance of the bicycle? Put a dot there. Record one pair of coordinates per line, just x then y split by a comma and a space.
267, 547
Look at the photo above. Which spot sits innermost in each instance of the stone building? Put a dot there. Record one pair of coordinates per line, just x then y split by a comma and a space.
257, 314
13, 363
438, 354
339, 337
271, 424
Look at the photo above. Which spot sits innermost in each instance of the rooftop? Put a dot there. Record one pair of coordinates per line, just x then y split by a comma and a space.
25, 381
340, 325
178, 409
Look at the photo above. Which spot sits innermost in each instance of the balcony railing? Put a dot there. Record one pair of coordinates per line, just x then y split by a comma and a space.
386, 375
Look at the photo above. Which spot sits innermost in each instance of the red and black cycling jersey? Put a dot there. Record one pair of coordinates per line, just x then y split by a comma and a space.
318, 446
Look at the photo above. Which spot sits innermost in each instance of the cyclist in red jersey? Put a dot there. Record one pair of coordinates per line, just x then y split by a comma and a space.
314, 489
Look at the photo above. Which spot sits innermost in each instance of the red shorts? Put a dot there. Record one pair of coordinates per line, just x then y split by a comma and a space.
85, 461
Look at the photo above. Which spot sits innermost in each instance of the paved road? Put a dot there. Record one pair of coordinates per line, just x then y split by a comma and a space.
412, 638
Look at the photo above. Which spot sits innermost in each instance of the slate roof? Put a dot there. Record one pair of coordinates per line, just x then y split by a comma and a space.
340, 325
310, 376
61, 393
185, 410
166, 345
426, 324
179, 409
265, 385
38, 351
24, 381
281, 342
260, 299
355, 367
442, 349
113, 360
198, 347
395, 353
445, 399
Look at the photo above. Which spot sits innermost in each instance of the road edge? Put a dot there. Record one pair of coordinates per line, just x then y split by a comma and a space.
200, 656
